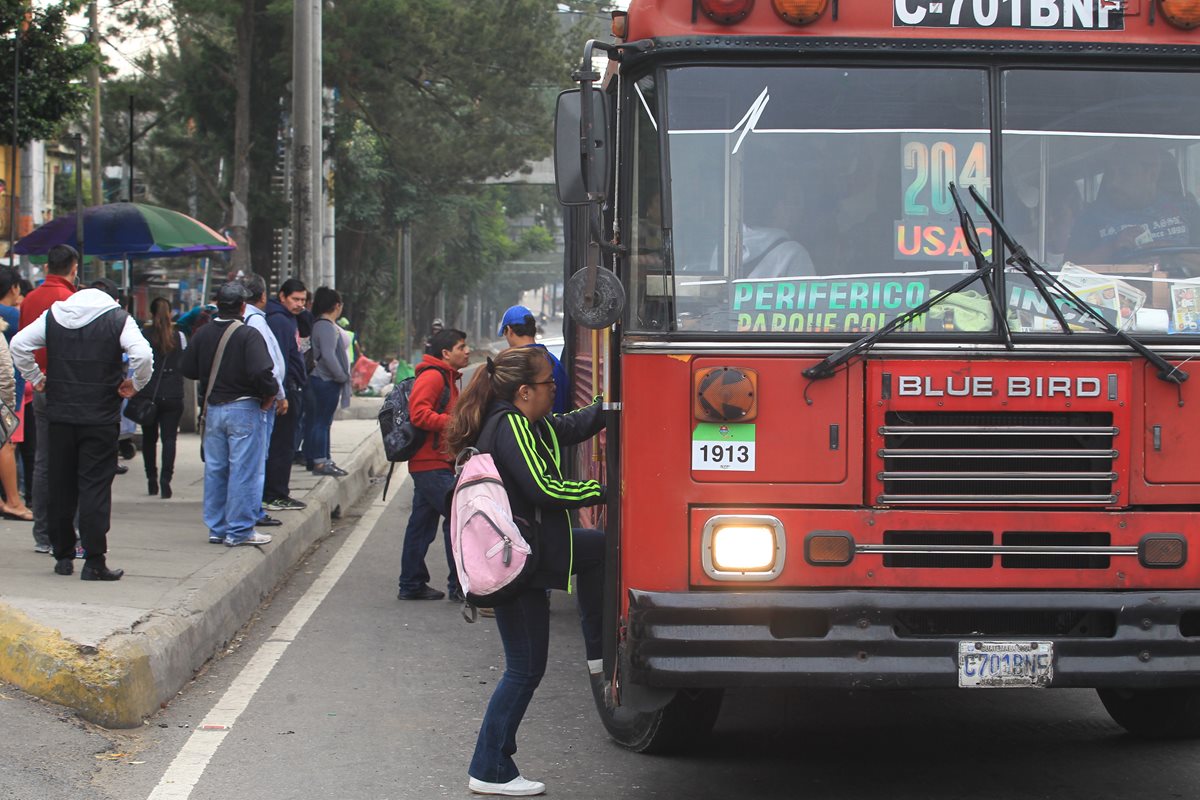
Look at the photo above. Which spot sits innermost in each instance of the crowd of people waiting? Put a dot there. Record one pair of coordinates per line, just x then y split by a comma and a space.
271, 373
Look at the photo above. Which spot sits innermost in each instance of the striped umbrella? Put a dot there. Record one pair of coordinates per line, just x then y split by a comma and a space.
118, 231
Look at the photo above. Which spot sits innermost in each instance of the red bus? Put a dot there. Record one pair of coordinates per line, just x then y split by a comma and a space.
941, 260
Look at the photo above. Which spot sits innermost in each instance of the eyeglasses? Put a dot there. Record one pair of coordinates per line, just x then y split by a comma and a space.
541, 383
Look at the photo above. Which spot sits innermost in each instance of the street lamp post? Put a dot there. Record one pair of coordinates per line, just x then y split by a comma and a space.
79, 202
12, 186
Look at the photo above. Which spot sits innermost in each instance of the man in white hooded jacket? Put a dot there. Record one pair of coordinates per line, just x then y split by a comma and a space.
85, 337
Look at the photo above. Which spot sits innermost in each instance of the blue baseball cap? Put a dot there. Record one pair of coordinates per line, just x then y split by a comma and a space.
513, 316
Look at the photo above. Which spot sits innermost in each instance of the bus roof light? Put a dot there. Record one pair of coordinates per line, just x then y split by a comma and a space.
802, 12
1181, 13
726, 12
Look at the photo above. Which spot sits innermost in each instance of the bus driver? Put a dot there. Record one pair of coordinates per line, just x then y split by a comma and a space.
1140, 206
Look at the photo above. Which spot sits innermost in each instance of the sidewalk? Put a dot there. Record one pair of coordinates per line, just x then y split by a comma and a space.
116, 651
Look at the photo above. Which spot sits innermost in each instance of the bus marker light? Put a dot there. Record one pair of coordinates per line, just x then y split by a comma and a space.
726, 394
726, 12
1162, 551
800, 12
829, 548
1181, 13
620, 24
743, 548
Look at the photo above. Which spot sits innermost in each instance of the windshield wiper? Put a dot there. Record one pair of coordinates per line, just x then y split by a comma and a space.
829, 365
990, 280
1044, 280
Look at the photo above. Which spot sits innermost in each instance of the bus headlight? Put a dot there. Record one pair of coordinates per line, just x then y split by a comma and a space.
743, 548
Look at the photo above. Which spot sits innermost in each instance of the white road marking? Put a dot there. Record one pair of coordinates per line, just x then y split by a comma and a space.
188, 767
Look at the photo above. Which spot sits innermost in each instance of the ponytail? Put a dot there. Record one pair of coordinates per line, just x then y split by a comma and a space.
162, 332
498, 379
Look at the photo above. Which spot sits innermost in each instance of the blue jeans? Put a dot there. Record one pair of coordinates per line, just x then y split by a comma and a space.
524, 626
430, 490
325, 396
268, 429
234, 454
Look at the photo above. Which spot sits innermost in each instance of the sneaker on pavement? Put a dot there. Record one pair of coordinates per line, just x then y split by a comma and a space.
517, 787
255, 539
285, 504
267, 521
216, 539
41, 548
328, 469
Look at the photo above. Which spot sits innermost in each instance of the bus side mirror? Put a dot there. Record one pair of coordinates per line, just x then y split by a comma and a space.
580, 157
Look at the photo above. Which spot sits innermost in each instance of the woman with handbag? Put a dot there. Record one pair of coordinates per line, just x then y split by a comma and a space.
328, 382
506, 412
159, 406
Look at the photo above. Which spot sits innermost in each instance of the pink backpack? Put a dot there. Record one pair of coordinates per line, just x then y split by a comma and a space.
492, 555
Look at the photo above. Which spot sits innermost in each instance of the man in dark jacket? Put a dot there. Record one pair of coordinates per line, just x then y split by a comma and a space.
281, 317
434, 393
85, 337
236, 413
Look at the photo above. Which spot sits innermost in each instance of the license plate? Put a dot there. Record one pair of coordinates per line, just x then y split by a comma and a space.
1005, 665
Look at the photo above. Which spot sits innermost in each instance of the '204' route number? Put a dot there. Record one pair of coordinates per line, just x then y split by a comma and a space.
932, 166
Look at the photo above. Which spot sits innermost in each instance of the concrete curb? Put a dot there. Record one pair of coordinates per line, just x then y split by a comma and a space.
130, 675
362, 408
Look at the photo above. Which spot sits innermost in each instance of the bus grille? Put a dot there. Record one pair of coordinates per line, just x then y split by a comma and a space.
956, 458
1015, 549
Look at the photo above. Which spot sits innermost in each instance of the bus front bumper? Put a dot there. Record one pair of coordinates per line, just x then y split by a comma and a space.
904, 639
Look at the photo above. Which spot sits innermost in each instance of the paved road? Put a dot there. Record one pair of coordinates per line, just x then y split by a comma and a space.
380, 700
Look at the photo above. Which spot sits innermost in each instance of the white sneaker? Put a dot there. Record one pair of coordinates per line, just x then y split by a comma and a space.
255, 538
517, 787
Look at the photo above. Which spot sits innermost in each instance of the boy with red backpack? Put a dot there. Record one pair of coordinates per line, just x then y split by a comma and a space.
434, 394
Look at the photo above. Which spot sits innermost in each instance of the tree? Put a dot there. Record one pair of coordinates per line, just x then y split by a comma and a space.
195, 158
436, 96
50, 89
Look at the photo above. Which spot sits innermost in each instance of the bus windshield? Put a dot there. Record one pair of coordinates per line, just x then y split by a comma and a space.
816, 199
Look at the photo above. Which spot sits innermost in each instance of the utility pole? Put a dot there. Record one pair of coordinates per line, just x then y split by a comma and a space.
79, 204
406, 255
13, 151
320, 277
131, 138
302, 138
94, 79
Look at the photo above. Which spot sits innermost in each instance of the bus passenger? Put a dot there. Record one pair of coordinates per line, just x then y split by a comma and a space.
769, 248
1140, 206
506, 411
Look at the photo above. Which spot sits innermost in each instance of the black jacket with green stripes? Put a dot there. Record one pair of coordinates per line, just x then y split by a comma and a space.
528, 456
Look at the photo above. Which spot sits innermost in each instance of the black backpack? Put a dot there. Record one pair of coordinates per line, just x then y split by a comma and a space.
401, 438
